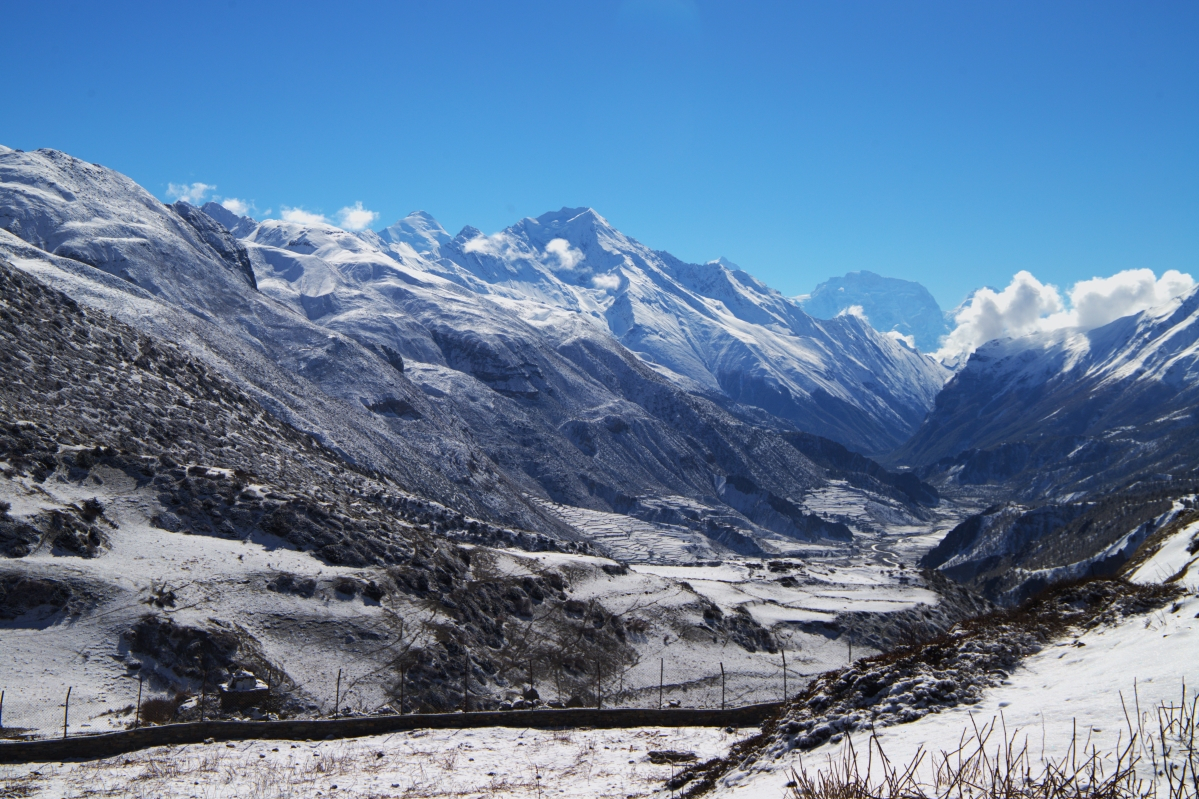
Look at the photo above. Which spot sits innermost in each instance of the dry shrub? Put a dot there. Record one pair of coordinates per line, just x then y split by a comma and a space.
1158, 760
159, 710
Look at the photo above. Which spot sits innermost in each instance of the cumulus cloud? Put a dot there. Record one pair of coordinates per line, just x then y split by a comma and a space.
193, 193
909, 341
486, 245
855, 310
568, 257
605, 282
301, 217
356, 217
1029, 306
1104, 299
239, 207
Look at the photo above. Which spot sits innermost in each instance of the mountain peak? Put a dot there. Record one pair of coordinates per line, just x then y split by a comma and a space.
726, 263
891, 304
419, 230
569, 219
235, 223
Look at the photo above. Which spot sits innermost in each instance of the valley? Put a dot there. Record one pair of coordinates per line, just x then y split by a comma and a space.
404, 472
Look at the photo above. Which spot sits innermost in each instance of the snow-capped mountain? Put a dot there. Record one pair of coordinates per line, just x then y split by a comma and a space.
890, 304
506, 409
711, 327
174, 273
1071, 411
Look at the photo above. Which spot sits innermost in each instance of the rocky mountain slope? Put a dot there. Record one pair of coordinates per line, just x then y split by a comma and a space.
156, 518
1009, 552
711, 327
505, 410
1070, 412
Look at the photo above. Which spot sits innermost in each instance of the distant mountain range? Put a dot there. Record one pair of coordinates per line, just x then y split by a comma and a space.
555, 365
559, 377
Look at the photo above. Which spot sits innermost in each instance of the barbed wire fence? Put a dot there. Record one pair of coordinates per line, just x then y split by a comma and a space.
661, 682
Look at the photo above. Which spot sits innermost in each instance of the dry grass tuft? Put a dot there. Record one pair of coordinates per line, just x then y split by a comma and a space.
1158, 760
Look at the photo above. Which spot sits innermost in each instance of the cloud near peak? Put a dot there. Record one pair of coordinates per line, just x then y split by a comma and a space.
568, 257
352, 217
301, 217
356, 217
1028, 306
234, 205
193, 193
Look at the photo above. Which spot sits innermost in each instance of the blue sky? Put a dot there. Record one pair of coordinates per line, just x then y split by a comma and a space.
950, 143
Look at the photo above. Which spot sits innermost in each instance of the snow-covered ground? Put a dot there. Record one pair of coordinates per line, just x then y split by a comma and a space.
493, 762
1091, 685
796, 601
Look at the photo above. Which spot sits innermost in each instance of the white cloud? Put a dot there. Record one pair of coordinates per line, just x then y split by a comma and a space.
605, 282
190, 193
302, 217
909, 341
487, 245
855, 310
356, 217
239, 207
1104, 299
568, 257
1029, 306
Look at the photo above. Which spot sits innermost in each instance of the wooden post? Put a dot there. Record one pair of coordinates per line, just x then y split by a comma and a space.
66, 707
466, 682
722, 686
137, 717
530, 674
784, 651
1, 710
558, 680
402, 673
337, 695
661, 679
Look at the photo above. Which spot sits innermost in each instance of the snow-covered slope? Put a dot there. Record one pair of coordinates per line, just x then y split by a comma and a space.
501, 408
890, 304
1072, 411
173, 272
711, 327
550, 394
1082, 694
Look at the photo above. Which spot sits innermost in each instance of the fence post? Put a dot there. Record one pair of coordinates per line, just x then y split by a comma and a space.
661, 678
402, 673
531, 674
337, 695
722, 686
784, 651
466, 681
137, 716
66, 708
1, 710
203, 694
599, 691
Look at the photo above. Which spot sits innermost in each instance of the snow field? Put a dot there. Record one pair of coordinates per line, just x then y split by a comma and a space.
1086, 689
492, 762
312, 638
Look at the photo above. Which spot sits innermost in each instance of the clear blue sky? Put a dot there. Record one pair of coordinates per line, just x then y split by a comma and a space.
950, 143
